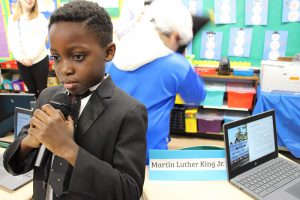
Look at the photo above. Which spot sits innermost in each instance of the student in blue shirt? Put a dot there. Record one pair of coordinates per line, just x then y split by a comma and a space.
148, 68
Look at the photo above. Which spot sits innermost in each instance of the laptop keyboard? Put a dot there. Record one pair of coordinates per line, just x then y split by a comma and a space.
272, 177
27, 174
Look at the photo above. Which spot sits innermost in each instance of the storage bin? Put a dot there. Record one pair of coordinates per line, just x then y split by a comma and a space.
240, 95
243, 72
232, 115
179, 100
7, 84
214, 94
191, 120
24, 87
205, 71
209, 121
17, 85
12, 64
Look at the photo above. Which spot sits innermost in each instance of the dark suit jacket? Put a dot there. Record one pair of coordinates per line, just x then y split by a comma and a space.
111, 134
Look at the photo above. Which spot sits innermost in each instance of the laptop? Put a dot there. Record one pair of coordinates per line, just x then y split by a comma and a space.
8, 102
252, 159
7, 181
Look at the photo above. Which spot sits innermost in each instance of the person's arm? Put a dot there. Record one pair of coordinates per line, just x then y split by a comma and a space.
20, 156
13, 39
192, 89
17, 159
124, 178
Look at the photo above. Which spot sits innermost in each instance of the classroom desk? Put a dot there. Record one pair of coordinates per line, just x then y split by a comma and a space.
191, 190
165, 190
287, 111
23, 193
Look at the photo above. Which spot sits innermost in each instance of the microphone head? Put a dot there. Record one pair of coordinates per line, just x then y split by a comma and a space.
62, 102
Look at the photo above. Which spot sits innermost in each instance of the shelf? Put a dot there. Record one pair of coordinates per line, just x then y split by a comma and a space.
232, 67
225, 107
12, 91
232, 77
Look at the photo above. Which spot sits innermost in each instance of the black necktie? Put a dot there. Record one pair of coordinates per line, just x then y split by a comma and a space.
61, 170
76, 103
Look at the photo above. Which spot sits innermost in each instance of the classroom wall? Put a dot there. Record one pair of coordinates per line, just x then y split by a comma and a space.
258, 34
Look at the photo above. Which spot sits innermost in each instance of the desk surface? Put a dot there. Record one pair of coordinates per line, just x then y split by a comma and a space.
23, 193
166, 190
178, 190
191, 190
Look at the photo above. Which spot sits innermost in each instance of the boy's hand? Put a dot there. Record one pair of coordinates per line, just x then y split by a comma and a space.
54, 131
31, 141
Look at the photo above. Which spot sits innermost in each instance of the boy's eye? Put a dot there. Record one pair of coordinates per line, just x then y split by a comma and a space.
56, 58
78, 57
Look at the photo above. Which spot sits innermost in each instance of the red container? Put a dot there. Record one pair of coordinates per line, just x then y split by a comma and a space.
24, 87
9, 65
240, 95
51, 65
205, 71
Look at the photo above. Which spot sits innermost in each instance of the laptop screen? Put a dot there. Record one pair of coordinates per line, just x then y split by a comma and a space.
8, 102
21, 119
250, 141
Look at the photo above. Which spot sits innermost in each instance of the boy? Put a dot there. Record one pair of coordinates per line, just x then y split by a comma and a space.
106, 158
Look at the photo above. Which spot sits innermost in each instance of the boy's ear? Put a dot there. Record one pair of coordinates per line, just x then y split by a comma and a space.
110, 52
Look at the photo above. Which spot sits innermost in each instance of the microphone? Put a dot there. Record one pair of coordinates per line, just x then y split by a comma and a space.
62, 102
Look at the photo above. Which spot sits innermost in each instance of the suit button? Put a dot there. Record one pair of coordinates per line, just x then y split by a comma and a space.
43, 184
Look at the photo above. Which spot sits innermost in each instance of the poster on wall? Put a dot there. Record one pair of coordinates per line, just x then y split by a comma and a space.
225, 11
211, 45
291, 11
195, 6
4, 53
111, 6
189, 49
240, 42
256, 12
47, 7
275, 44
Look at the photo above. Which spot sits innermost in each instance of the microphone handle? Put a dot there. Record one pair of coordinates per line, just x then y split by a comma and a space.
42, 156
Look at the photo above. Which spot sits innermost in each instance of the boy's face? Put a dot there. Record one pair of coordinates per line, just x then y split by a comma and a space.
79, 58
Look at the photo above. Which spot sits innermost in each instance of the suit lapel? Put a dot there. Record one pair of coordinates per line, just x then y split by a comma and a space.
95, 106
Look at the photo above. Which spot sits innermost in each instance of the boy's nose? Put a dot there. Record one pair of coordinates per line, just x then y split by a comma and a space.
66, 68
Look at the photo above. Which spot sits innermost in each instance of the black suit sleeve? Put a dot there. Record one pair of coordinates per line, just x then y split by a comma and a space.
12, 163
122, 179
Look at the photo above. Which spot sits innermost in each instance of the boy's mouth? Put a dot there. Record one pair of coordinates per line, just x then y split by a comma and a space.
69, 85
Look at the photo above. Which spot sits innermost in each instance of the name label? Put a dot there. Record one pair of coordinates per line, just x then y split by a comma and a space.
187, 165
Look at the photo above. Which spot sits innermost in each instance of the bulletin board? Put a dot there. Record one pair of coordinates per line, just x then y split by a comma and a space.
274, 22
4, 14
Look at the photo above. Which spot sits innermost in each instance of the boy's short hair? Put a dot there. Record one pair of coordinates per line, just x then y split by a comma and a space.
95, 18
